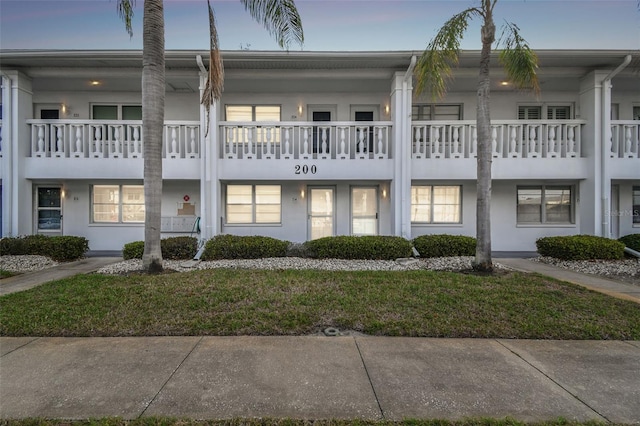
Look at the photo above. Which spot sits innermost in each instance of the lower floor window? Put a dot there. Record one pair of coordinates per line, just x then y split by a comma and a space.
117, 204
436, 204
636, 204
545, 204
253, 204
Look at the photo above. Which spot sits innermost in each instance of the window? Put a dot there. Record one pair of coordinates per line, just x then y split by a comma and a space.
116, 112
636, 112
253, 204
436, 204
545, 204
636, 205
551, 112
118, 204
436, 112
254, 113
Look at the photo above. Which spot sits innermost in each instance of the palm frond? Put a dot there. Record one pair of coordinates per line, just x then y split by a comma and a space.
279, 17
433, 70
125, 12
518, 60
215, 78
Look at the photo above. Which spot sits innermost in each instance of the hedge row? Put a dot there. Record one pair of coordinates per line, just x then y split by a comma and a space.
580, 247
58, 248
174, 248
632, 241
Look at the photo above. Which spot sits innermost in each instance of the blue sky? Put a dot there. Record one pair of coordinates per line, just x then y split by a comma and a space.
351, 25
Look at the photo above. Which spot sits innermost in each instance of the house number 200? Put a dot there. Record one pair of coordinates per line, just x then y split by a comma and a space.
305, 169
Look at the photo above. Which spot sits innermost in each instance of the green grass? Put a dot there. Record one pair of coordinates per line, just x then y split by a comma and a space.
169, 421
6, 274
285, 302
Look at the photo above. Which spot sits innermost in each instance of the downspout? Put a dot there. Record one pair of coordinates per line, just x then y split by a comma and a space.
405, 151
605, 138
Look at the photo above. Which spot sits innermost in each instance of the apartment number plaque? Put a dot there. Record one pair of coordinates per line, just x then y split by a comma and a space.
305, 170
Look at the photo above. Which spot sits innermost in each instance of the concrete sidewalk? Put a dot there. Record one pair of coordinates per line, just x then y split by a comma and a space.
29, 280
319, 377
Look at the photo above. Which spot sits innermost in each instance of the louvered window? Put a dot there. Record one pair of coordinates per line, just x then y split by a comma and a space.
558, 113
529, 113
436, 112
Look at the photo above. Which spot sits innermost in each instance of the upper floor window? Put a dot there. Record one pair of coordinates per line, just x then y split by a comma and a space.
252, 112
116, 112
248, 204
436, 204
117, 204
545, 204
636, 112
549, 112
435, 112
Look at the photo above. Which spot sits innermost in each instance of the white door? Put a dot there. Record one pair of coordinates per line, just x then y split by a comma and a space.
364, 211
321, 213
49, 210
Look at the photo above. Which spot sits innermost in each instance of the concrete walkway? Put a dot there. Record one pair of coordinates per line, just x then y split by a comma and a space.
592, 282
319, 377
32, 279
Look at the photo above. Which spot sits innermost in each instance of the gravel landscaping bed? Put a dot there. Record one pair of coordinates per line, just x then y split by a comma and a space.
627, 270
25, 263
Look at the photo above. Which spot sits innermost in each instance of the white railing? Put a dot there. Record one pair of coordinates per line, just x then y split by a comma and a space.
625, 139
343, 140
109, 139
509, 139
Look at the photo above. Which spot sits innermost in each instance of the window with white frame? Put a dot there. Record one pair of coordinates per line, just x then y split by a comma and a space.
436, 204
434, 112
636, 205
116, 112
117, 204
247, 204
551, 112
254, 113
545, 204
636, 112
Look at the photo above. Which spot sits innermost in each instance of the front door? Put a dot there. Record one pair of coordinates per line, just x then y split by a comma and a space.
364, 211
49, 210
321, 213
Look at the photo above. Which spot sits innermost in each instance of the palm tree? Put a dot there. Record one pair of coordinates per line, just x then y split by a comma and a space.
433, 72
279, 17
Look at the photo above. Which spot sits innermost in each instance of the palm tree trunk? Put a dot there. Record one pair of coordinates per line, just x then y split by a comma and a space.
153, 95
483, 260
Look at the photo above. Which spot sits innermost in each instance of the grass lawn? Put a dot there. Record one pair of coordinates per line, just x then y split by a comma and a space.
286, 302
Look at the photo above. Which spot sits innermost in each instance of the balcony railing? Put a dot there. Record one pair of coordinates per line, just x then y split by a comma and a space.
109, 139
625, 139
349, 140
509, 139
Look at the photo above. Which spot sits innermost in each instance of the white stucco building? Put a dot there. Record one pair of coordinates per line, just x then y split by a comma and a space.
310, 144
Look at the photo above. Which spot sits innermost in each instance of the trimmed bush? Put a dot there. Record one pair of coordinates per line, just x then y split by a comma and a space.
58, 248
580, 247
178, 248
133, 250
632, 241
244, 247
444, 245
173, 248
374, 247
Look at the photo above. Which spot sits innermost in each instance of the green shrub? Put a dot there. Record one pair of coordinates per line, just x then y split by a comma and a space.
297, 250
178, 248
444, 245
580, 247
133, 250
375, 247
632, 241
58, 248
244, 247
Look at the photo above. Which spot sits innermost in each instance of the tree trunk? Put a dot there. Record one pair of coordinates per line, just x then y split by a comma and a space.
483, 262
153, 93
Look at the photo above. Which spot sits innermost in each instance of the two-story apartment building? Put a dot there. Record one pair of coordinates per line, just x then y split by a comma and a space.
310, 144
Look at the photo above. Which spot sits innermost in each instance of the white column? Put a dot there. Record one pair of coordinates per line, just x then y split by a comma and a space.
396, 191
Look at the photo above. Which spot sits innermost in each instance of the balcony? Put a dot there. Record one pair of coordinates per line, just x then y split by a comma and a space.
520, 149
306, 150
84, 148
625, 149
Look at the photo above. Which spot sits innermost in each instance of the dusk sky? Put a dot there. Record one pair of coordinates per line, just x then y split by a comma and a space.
329, 25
